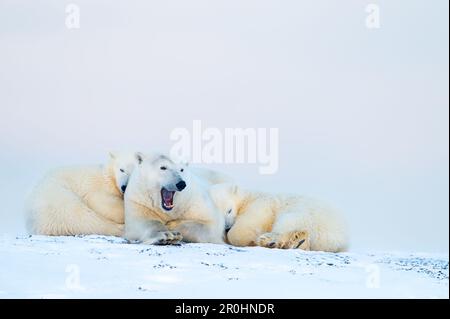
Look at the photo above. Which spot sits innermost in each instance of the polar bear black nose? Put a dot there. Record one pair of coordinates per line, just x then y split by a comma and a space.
123, 188
181, 185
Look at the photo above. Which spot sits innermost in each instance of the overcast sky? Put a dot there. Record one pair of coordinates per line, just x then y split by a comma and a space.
362, 113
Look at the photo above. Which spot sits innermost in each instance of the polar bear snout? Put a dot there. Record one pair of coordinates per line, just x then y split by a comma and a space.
123, 188
181, 185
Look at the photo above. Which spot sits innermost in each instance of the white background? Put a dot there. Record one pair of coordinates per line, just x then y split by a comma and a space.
362, 113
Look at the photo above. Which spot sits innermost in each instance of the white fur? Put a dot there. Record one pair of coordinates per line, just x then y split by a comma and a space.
81, 200
193, 215
211, 176
252, 214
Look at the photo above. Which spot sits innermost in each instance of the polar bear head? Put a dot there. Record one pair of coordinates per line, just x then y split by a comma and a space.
122, 165
161, 181
227, 200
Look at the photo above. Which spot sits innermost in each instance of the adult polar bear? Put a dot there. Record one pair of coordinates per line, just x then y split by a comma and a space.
81, 200
166, 202
279, 221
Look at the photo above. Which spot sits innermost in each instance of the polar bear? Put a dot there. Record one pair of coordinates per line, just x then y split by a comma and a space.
165, 203
81, 200
279, 221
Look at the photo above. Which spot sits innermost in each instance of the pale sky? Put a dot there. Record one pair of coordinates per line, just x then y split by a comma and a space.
362, 113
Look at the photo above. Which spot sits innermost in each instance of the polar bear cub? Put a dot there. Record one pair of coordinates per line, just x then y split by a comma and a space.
279, 221
81, 200
165, 202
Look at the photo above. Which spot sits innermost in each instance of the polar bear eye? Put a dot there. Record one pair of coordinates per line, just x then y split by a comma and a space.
230, 211
182, 170
163, 168
122, 170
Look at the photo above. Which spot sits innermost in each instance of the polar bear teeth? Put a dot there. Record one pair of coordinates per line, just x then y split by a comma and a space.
167, 198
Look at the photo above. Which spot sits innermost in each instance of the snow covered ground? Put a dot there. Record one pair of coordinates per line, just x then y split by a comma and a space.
108, 267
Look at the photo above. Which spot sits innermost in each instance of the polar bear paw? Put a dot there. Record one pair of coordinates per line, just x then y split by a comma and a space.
292, 240
167, 238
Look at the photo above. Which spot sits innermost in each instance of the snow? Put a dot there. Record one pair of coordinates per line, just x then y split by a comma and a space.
109, 267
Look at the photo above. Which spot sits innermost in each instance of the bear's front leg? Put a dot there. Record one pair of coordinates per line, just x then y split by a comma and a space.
164, 238
143, 226
156, 233
196, 231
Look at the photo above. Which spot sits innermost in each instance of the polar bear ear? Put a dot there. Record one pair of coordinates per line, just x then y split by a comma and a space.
185, 163
139, 157
112, 154
234, 189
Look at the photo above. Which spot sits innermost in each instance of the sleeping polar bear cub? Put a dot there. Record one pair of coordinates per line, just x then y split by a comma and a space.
165, 202
279, 221
81, 200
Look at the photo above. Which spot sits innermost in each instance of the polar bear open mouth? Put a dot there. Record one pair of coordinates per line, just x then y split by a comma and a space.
167, 199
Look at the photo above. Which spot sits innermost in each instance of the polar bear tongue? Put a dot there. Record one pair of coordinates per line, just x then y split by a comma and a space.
167, 197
